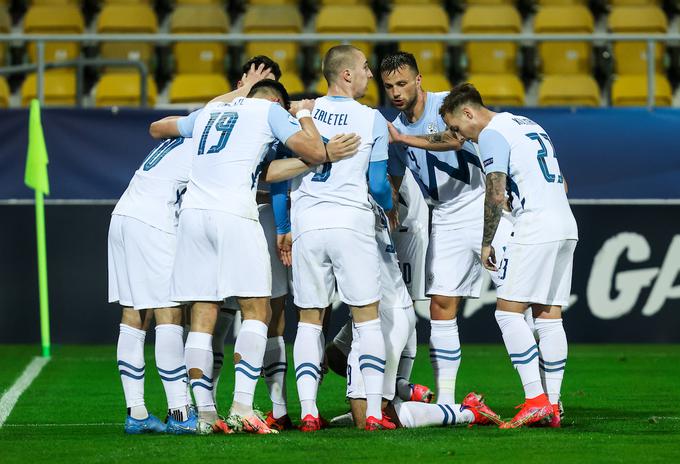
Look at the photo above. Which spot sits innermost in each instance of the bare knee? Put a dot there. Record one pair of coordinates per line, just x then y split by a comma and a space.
444, 308
133, 318
168, 316
257, 308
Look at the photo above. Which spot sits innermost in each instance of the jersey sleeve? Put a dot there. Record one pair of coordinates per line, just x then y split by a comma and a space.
495, 151
185, 125
381, 138
282, 124
396, 162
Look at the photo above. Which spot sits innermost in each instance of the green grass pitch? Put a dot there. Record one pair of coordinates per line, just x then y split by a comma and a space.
622, 404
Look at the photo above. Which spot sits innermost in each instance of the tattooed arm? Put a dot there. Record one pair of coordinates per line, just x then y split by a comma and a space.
493, 209
441, 141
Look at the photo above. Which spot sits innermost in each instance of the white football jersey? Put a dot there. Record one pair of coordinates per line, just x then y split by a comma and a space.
520, 148
232, 140
453, 181
393, 291
155, 191
337, 195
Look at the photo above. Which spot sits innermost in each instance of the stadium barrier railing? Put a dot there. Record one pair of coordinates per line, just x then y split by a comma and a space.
311, 38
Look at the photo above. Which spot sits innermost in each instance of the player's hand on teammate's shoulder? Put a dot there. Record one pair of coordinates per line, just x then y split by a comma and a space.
298, 105
342, 146
489, 258
284, 245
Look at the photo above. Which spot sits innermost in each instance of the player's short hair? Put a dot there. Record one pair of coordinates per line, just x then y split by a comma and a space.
460, 95
266, 61
394, 61
337, 59
271, 87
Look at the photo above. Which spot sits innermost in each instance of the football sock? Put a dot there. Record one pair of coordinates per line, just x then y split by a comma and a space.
130, 353
406, 361
522, 350
343, 340
171, 367
372, 364
529, 317
275, 368
307, 356
445, 358
222, 326
248, 356
415, 414
553, 349
199, 360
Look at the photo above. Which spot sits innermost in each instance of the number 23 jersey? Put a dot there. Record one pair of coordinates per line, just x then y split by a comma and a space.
453, 181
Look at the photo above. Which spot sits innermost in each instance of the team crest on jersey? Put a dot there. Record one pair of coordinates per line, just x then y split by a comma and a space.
432, 128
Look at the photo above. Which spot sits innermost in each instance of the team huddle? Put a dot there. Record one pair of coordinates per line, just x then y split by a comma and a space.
253, 197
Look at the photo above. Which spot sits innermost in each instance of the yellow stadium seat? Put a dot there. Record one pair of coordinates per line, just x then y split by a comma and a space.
197, 88
273, 2
491, 57
346, 19
635, 2
276, 19
292, 83
54, 19
499, 89
60, 88
569, 90
127, 19
122, 89
421, 19
565, 57
631, 90
631, 57
4, 92
54, 2
487, 2
422, 2
200, 2
5, 27
436, 83
199, 57
544, 3
372, 97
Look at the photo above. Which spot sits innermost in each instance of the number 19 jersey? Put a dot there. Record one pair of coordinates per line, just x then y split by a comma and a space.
520, 148
452, 180
231, 142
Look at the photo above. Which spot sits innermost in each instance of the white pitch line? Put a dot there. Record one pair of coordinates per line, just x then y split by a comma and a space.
10, 397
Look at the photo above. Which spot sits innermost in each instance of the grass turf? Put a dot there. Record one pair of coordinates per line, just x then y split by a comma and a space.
621, 405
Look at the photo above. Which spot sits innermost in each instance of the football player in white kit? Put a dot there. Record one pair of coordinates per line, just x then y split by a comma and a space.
536, 270
141, 250
453, 181
334, 236
221, 249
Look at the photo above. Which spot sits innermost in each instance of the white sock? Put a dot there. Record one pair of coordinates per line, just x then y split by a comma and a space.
222, 326
171, 368
130, 353
198, 355
529, 317
406, 361
275, 368
553, 349
522, 350
372, 364
249, 349
307, 356
445, 358
414, 414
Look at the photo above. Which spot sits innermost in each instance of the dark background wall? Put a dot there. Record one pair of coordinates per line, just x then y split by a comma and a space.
625, 286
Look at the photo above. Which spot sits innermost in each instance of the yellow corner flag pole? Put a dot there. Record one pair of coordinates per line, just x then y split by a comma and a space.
36, 178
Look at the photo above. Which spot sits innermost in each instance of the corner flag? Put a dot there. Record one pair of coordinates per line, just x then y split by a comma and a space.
35, 177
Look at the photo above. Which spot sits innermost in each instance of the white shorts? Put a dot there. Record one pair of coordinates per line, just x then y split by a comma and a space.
538, 273
397, 324
500, 244
280, 273
219, 255
453, 265
326, 256
140, 264
411, 246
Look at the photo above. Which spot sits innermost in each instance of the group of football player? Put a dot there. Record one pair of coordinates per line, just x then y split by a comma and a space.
255, 196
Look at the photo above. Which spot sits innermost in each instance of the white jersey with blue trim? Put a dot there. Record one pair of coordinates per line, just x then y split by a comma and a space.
155, 191
522, 149
232, 140
453, 181
393, 293
336, 196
